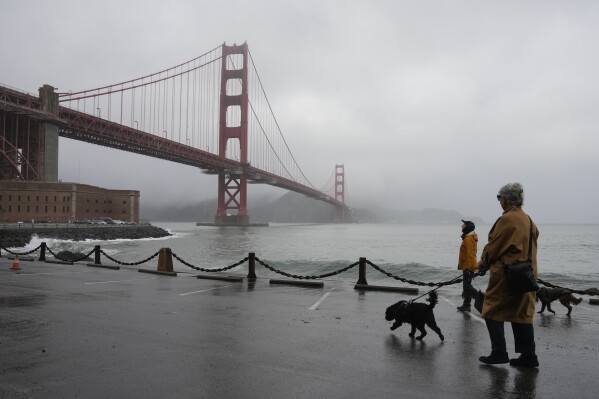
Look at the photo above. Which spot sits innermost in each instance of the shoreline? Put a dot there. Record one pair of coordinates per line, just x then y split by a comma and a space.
20, 237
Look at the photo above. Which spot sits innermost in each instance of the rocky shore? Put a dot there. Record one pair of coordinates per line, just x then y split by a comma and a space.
21, 236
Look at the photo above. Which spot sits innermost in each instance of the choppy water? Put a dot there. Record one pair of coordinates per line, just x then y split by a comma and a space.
424, 252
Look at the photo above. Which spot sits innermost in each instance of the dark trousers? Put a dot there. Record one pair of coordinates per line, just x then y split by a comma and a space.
524, 337
467, 287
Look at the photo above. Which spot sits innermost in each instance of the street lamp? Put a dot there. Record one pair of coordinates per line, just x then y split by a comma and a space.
136, 126
99, 112
164, 131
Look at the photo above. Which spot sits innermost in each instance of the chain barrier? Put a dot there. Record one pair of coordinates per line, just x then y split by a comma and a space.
19, 253
222, 269
129, 264
69, 260
413, 282
590, 291
306, 277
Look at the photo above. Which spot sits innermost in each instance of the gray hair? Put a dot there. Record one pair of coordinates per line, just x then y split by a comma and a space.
513, 194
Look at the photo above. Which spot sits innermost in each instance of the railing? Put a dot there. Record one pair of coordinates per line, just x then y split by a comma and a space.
165, 266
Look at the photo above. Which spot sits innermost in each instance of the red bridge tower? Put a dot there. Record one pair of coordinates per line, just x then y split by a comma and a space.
232, 187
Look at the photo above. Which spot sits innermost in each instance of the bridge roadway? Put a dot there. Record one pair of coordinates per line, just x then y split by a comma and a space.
72, 331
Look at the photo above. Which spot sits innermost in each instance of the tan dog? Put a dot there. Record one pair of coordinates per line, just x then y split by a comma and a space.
548, 295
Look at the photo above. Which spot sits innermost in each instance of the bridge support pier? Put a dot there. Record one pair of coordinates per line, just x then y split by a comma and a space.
49, 132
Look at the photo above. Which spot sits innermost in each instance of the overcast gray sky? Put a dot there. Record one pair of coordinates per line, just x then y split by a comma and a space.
427, 103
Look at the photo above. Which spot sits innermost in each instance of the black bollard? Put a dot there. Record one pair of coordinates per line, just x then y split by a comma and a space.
42, 252
97, 255
362, 272
252, 266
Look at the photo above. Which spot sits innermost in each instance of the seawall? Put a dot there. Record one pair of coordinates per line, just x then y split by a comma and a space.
19, 237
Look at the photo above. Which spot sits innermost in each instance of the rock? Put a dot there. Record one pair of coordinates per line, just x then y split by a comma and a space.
21, 237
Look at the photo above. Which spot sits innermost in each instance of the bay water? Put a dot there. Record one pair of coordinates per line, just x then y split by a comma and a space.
567, 254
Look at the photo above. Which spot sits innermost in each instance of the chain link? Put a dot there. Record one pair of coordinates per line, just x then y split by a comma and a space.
222, 269
129, 264
70, 260
413, 282
306, 277
19, 253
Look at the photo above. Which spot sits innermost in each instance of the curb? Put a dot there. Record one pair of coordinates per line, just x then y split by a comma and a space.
172, 274
58, 262
104, 266
222, 278
366, 287
299, 282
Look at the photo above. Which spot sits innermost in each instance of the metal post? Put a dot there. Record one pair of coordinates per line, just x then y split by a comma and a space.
362, 272
97, 255
42, 252
252, 266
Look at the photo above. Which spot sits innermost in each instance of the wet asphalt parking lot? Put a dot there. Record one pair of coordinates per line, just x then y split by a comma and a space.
72, 331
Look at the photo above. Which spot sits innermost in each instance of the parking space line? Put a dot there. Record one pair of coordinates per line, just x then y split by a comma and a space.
322, 298
208, 289
119, 281
51, 273
475, 317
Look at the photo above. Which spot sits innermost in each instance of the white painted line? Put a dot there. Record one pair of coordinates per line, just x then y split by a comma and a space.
475, 317
317, 304
120, 281
50, 273
209, 289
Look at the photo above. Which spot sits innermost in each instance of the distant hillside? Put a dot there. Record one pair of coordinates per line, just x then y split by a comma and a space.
290, 208
296, 208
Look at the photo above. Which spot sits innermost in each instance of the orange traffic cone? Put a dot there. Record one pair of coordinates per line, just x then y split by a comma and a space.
15, 264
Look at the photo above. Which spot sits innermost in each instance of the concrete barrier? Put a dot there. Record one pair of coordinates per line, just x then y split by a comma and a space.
308, 283
368, 287
113, 267
221, 278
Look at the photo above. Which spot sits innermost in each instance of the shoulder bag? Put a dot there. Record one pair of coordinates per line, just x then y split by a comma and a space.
520, 277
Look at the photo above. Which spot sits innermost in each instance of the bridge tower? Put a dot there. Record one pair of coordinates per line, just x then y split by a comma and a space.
29, 136
232, 187
340, 213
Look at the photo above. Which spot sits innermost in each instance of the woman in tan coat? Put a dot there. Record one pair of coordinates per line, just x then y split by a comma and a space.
508, 243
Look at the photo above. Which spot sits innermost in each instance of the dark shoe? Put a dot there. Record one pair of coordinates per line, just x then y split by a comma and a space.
525, 361
464, 308
495, 358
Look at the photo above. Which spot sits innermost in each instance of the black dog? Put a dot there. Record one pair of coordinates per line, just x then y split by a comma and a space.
417, 314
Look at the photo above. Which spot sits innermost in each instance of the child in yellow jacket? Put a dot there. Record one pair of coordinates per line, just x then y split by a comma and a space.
467, 262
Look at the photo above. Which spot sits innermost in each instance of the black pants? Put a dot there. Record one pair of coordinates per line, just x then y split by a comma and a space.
524, 337
467, 277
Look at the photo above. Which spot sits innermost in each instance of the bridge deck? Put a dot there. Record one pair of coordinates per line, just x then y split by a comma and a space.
77, 331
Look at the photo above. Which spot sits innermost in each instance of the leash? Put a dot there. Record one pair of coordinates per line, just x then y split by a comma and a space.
435, 289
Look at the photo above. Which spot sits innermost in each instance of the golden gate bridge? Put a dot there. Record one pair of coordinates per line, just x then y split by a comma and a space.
211, 112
